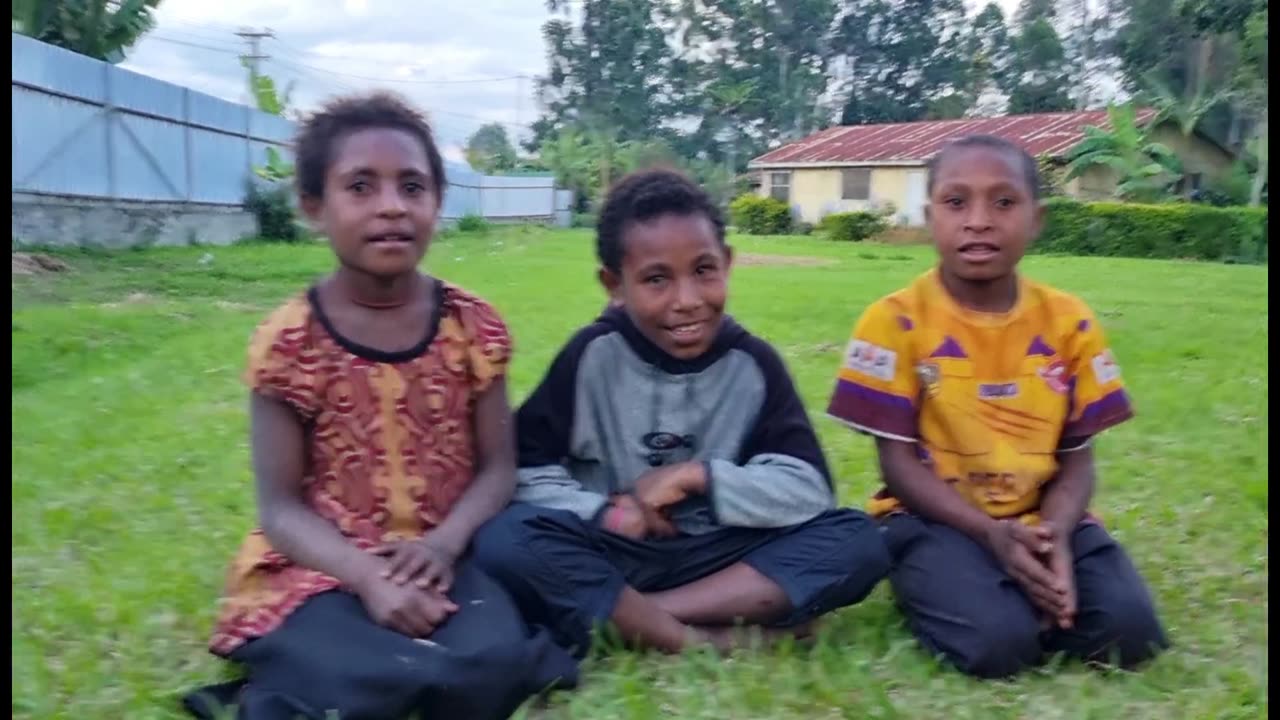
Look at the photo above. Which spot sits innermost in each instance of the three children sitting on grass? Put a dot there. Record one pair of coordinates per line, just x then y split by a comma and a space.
669, 482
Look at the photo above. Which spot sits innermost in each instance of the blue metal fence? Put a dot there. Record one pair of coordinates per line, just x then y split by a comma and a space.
87, 129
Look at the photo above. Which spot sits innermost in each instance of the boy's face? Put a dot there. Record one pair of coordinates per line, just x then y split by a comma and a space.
981, 213
379, 208
673, 282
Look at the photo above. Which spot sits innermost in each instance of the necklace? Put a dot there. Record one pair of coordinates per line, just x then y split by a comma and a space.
379, 305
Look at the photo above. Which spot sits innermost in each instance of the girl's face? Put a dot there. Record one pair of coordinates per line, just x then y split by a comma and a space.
379, 207
981, 213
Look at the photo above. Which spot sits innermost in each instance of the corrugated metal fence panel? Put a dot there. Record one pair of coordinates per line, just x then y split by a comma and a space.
59, 145
462, 195
210, 112
272, 128
514, 197
220, 168
150, 159
62, 71
131, 91
564, 208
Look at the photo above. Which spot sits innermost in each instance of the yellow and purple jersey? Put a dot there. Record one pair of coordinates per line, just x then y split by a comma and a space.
990, 399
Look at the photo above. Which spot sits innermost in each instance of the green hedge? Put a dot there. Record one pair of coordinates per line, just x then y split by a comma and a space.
756, 215
853, 226
1174, 230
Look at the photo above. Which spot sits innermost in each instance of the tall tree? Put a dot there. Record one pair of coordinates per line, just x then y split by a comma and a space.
489, 150
101, 29
1039, 81
1251, 85
608, 72
754, 70
906, 60
988, 49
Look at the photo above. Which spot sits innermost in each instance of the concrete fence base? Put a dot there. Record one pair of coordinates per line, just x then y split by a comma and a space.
56, 221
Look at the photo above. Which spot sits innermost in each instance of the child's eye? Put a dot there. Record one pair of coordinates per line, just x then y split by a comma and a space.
359, 187
954, 202
654, 280
705, 269
414, 188
1004, 203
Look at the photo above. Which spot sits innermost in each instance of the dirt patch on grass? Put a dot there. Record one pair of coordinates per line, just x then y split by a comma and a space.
904, 236
37, 264
800, 260
133, 298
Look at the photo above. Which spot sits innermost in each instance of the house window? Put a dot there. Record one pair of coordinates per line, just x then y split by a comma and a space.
1188, 185
855, 184
780, 186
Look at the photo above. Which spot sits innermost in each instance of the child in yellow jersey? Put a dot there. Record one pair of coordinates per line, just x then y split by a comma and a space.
983, 390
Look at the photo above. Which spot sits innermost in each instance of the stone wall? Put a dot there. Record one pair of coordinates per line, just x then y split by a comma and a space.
54, 221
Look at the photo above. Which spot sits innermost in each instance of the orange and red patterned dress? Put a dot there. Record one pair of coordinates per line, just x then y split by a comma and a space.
389, 439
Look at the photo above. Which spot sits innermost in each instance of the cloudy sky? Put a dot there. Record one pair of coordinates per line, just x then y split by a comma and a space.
459, 59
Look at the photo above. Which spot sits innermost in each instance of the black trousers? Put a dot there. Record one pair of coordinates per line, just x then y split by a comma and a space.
330, 657
961, 605
566, 574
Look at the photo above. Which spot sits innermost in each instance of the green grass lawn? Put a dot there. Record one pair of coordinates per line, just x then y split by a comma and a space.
131, 483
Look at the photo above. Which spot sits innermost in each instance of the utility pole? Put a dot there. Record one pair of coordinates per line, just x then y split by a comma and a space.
254, 56
519, 103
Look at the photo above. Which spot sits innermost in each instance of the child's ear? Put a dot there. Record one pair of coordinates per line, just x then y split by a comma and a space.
1038, 222
612, 284
728, 256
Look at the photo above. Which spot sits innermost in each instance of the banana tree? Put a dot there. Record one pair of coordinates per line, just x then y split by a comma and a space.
276, 170
1144, 169
101, 29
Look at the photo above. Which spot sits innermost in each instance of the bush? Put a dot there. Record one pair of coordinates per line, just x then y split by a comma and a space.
272, 209
584, 220
853, 226
1171, 230
756, 215
473, 224
802, 228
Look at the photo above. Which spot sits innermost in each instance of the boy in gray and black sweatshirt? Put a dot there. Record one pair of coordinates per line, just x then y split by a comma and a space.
670, 481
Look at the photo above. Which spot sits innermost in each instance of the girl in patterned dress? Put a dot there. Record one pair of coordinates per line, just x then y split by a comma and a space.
382, 439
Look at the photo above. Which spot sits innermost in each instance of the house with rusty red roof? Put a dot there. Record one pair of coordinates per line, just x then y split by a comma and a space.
862, 167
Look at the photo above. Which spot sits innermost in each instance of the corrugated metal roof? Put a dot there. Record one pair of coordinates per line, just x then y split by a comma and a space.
915, 142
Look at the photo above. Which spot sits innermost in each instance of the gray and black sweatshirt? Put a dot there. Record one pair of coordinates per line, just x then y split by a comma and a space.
614, 405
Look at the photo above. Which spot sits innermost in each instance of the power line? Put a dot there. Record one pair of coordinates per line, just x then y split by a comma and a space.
321, 75
408, 81
321, 56
188, 43
293, 49
327, 76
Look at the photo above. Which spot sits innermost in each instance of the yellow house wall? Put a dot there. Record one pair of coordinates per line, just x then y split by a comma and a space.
815, 192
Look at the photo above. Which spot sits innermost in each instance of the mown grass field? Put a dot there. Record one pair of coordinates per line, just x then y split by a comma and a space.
131, 483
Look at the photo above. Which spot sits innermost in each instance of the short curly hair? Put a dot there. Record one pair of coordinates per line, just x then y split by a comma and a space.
1026, 163
321, 131
644, 195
